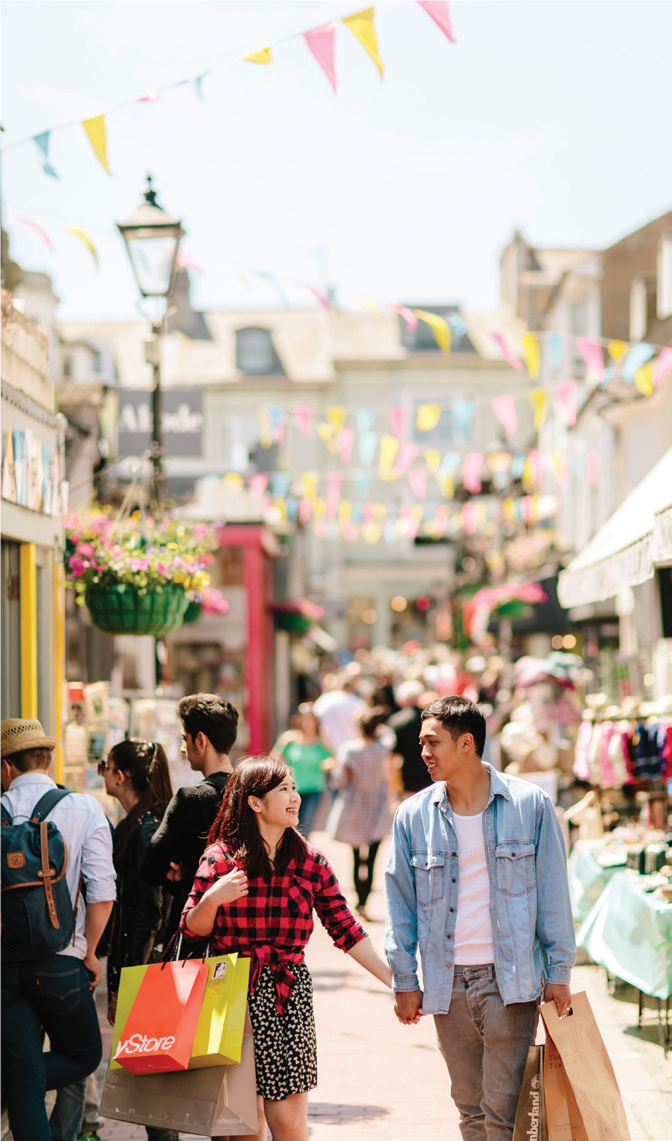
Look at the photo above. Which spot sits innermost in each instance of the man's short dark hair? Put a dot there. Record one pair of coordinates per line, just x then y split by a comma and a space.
211, 715
459, 715
28, 760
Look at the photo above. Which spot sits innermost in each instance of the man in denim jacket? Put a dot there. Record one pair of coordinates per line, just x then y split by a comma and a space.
477, 881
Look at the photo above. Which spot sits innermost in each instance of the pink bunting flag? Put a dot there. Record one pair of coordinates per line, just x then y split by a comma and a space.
471, 472
398, 421
321, 43
661, 368
469, 518
369, 513
345, 441
568, 397
349, 532
593, 466
591, 351
334, 481
504, 408
417, 479
407, 454
408, 315
150, 97
305, 511
258, 484
506, 351
304, 416
440, 13
536, 466
36, 227
319, 295
185, 262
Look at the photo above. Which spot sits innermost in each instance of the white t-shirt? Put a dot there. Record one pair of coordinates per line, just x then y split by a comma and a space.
338, 713
473, 927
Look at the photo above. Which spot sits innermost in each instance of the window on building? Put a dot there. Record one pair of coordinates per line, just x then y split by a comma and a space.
256, 354
643, 306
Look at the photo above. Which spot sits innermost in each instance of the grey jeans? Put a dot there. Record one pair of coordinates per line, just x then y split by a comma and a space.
484, 1045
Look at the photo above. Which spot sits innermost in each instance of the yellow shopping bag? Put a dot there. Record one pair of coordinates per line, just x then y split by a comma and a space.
219, 1035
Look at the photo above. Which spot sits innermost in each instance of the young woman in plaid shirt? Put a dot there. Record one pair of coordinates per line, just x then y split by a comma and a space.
254, 893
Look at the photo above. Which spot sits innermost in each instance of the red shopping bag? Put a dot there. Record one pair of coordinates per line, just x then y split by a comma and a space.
160, 1028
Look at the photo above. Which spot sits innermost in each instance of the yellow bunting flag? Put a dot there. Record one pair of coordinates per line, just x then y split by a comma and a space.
326, 434
261, 56
531, 354
644, 378
265, 428
234, 479
389, 446
439, 327
428, 417
375, 309
433, 460
87, 242
320, 509
447, 487
309, 486
336, 417
361, 26
538, 400
371, 532
95, 129
617, 350
345, 511
281, 507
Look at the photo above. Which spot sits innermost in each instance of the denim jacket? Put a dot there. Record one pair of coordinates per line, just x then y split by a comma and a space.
532, 925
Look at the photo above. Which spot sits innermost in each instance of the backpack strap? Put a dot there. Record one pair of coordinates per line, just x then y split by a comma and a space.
47, 802
5, 813
48, 876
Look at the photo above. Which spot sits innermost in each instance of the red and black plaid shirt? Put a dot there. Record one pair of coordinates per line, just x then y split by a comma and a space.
273, 922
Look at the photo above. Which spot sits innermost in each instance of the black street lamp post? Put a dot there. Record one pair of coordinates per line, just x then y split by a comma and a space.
152, 239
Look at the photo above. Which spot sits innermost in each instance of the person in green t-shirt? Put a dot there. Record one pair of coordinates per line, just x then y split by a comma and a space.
303, 749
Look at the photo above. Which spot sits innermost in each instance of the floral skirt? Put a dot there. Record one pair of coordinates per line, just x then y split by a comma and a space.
285, 1047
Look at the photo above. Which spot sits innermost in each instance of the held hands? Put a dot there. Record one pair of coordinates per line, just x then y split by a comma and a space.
408, 1006
174, 872
228, 889
93, 966
560, 994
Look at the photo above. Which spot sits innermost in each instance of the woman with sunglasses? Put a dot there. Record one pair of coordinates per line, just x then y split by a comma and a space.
136, 774
254, 893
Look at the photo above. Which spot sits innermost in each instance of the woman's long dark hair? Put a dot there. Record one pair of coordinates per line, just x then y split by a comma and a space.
146, 766
236, 826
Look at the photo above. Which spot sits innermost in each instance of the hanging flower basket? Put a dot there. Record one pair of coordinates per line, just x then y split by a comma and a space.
125, 609
193, 612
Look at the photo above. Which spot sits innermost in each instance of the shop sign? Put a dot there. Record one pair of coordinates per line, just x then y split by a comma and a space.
181, 421
29, 471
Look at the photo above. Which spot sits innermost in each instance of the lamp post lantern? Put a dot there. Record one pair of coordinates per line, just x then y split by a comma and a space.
152, 238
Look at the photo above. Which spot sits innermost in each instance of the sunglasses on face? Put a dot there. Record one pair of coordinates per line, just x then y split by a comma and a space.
103, 766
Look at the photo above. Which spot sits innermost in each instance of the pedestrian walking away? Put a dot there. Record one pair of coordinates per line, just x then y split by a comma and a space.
136, 774
477, 882
254, 893
53, 994
209, 726
361, 813
309, 758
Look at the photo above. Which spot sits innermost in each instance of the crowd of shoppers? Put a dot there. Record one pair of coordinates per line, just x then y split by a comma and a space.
475, 888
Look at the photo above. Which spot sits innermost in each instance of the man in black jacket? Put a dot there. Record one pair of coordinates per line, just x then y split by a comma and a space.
209, 726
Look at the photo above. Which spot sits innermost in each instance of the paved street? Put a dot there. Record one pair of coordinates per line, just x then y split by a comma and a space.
386, 1081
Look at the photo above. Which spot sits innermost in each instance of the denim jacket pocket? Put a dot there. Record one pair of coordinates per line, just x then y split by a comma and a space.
515, 868
428, 870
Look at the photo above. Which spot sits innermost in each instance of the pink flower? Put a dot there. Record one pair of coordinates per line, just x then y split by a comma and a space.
215, 602
77, 565
86, 550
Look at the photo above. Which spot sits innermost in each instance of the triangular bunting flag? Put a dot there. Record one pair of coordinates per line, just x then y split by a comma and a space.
345, 441
408, 315
361, 26
427, 417
463, 414
389, 447
336, 417
662, 366
591, 351
471, 472
439, 327
637, 356
506, 351
417, 479
42, 142
320, 43
95, 129
407, 454
367, 443
504, 408
617, 350
554, 346
304, 417
261, 56
531, 354
440, 14
538, 399
644, 378
568, 397
87, 242
397, 417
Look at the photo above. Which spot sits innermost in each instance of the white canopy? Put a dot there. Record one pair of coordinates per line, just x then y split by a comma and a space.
627, 548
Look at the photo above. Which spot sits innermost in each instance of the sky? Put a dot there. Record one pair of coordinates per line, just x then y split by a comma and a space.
551, 116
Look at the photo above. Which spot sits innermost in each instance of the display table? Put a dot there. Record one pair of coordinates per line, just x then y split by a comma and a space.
589, 869
629, 932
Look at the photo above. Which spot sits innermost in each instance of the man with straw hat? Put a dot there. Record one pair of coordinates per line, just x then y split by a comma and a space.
53, 995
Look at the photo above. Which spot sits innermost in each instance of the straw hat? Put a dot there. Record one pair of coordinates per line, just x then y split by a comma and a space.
18, 735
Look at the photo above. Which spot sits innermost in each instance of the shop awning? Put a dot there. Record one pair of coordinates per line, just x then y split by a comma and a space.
627, 548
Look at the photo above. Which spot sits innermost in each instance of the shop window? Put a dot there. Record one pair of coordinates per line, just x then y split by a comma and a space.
256, 354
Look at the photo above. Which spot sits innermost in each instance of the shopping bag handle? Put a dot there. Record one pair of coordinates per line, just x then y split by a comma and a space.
173, 951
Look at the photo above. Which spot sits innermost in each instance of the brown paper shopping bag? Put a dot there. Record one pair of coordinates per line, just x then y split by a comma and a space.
593, 1109
219, 1101
531, 1115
